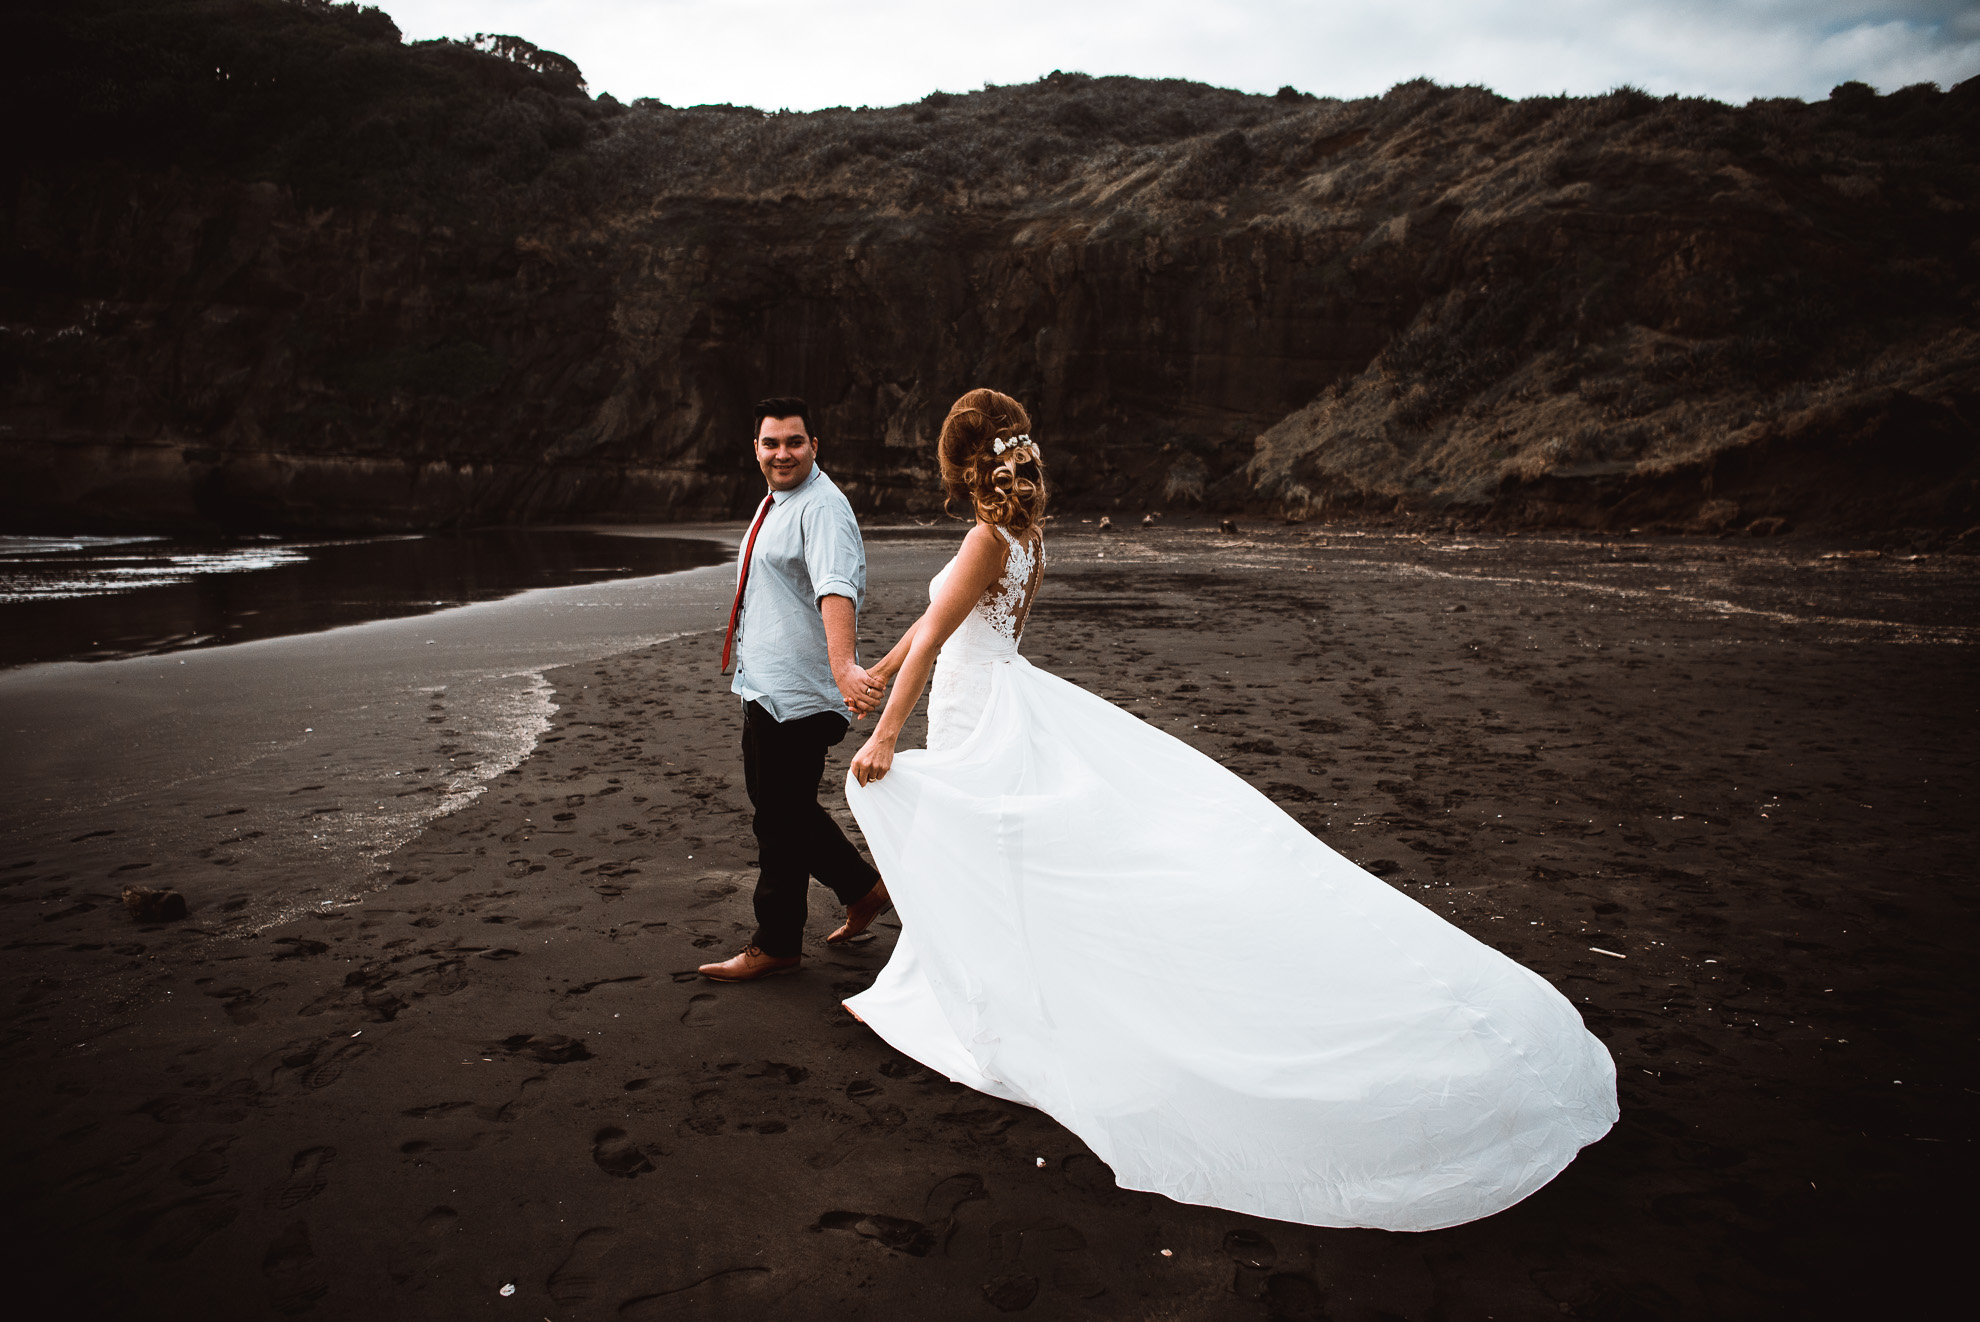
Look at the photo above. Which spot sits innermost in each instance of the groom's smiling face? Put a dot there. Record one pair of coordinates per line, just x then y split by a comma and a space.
785, 452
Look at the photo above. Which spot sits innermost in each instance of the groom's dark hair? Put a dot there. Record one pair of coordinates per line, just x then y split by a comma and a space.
780, 406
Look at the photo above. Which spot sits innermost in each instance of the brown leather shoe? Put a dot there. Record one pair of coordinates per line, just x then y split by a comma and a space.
752, 963
861, 913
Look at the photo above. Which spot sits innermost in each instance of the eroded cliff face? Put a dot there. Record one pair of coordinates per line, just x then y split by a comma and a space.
1589, 312
255, 361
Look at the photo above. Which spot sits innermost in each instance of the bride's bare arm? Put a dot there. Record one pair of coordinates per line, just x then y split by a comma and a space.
890, 665
979, 564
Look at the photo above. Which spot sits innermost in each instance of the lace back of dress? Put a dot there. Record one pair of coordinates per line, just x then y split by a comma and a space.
1007, 602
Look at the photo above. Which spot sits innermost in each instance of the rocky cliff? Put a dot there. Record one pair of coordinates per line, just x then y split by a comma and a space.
345, 282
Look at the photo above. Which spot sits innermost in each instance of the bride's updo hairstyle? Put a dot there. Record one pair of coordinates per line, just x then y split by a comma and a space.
1006, 488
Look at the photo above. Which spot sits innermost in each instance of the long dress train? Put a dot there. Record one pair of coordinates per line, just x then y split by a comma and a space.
1100, 921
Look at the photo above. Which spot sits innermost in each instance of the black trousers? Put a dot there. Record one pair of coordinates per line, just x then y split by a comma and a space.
796, 838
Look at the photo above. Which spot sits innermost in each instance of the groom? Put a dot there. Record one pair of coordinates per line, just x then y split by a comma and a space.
793, 630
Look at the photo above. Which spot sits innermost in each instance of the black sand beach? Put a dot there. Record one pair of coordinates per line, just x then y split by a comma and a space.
1745, 769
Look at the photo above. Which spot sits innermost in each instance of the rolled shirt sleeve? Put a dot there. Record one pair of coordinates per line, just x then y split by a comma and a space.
833, 552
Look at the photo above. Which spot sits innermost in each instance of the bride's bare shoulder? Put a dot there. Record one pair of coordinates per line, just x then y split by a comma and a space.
983, 539
981, 547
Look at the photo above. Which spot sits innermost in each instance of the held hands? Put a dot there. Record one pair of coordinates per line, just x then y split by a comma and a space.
861, 688
874, 760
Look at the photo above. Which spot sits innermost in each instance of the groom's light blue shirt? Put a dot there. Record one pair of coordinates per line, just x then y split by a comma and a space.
809, 547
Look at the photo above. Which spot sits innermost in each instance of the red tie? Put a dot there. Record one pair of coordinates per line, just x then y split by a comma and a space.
742, 581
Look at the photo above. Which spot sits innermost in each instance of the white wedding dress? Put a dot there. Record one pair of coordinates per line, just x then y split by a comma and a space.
1100, 921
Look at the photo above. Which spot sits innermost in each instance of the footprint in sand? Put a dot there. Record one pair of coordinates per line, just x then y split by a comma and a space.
208, 1163
444, 979
455, 1142
945, 1200
299, 946
915, 1238
1009, 1292
413, 1259
226, 1105
618, 1155
328, 1069
549, 1048
576, 1279
700, 1012
172, 1232
241, 1004
436, 1111
512, 1110
1073, 1270
730, 1292
294, 1280
1253, 1255
705, 932
983, 1124
895, 1232
710, 891
306, 1178
586, 988
1293, 1296
1049, 1246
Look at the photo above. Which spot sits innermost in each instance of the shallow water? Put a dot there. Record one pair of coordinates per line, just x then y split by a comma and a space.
102, 598
291, 764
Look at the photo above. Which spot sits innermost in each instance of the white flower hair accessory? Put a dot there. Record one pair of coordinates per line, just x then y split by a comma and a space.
1024, 442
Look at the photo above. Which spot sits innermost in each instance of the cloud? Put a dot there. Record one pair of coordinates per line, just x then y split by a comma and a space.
802, 54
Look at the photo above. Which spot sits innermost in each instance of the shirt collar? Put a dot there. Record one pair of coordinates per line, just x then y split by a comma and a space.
779, 497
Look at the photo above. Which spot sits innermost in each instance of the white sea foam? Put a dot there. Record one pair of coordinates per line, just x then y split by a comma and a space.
507, 714
44, 568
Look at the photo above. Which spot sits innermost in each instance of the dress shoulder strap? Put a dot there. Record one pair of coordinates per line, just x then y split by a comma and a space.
1005, 533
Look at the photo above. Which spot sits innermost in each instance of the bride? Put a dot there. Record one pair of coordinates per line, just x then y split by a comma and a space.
1099, 921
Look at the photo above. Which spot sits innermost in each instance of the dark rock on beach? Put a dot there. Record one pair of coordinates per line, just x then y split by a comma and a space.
268, 267
154, 906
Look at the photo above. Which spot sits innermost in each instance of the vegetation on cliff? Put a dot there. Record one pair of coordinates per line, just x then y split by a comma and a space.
323, 98
273, 266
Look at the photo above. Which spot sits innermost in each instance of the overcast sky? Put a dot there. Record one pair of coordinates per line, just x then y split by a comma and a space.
804, 54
